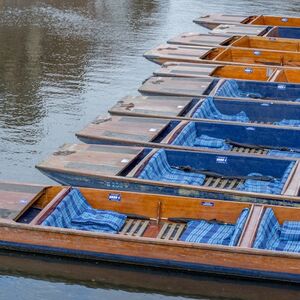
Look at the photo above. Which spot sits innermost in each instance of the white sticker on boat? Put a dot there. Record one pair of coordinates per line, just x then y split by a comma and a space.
284, 20
248, 70
23, 201
124, 160
221, 160
256, 52
209, 204
281, 86
152, 129
265, 104
180, 106
250, 128
114, 197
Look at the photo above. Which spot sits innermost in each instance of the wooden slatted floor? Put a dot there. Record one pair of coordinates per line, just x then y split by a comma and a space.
134, 227
217, 182
171, 231
249, 150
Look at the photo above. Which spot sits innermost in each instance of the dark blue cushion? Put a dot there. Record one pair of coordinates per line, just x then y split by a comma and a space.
215, 233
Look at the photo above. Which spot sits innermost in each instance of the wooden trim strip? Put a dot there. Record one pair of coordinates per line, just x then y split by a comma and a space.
249, 233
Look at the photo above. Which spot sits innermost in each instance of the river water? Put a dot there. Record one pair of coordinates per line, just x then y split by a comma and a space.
62, 63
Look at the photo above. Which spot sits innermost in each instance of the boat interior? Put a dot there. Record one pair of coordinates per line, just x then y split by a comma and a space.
257, 89
248, 111
249, 56
256, 111
256, 73
164, 218
235, 138
256, 175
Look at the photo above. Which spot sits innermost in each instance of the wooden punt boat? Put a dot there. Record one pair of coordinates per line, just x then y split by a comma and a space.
277, 113
210, 136
256, 73
152, 230
266, 31
212, 21
127, 168
229, 88
249, 42
223, 56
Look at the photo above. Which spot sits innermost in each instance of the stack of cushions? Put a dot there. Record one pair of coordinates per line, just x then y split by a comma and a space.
272, 236
274, 186
208, 110
215, 233
158, 169
74, 212
230, 88
188, 137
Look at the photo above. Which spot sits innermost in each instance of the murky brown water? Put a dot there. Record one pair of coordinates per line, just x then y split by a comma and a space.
62, 63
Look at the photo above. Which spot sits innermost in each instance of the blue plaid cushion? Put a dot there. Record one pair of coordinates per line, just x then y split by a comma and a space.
100, 220
267, 187
269, 235
74, 212
215, 233
71, 206
159, 169
206, 141
285, 122
283, 153
290, 231
230, 88
208, 110
188, 137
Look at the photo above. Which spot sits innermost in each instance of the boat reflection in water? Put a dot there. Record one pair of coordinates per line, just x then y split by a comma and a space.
135, 280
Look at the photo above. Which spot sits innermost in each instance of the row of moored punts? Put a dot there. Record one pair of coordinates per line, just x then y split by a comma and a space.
200, 172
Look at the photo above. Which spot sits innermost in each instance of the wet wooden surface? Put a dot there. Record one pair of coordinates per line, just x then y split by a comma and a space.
14, 197
118, 128
151, 106
175, 86
92, 159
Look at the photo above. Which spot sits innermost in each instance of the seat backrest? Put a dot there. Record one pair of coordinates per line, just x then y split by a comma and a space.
70, 207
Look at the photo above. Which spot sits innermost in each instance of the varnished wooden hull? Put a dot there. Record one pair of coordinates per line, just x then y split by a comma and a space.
193, 258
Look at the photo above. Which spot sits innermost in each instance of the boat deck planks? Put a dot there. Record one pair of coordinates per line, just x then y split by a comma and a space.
15, 197
91, 158
176, 86
123, 128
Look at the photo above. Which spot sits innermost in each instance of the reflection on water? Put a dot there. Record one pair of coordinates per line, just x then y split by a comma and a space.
37, 275
61, 64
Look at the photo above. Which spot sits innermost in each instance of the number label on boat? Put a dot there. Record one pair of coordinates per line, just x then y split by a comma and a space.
281, 86
221, 160
256, 52
209, 204
114, 197
248, 70
284, 20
